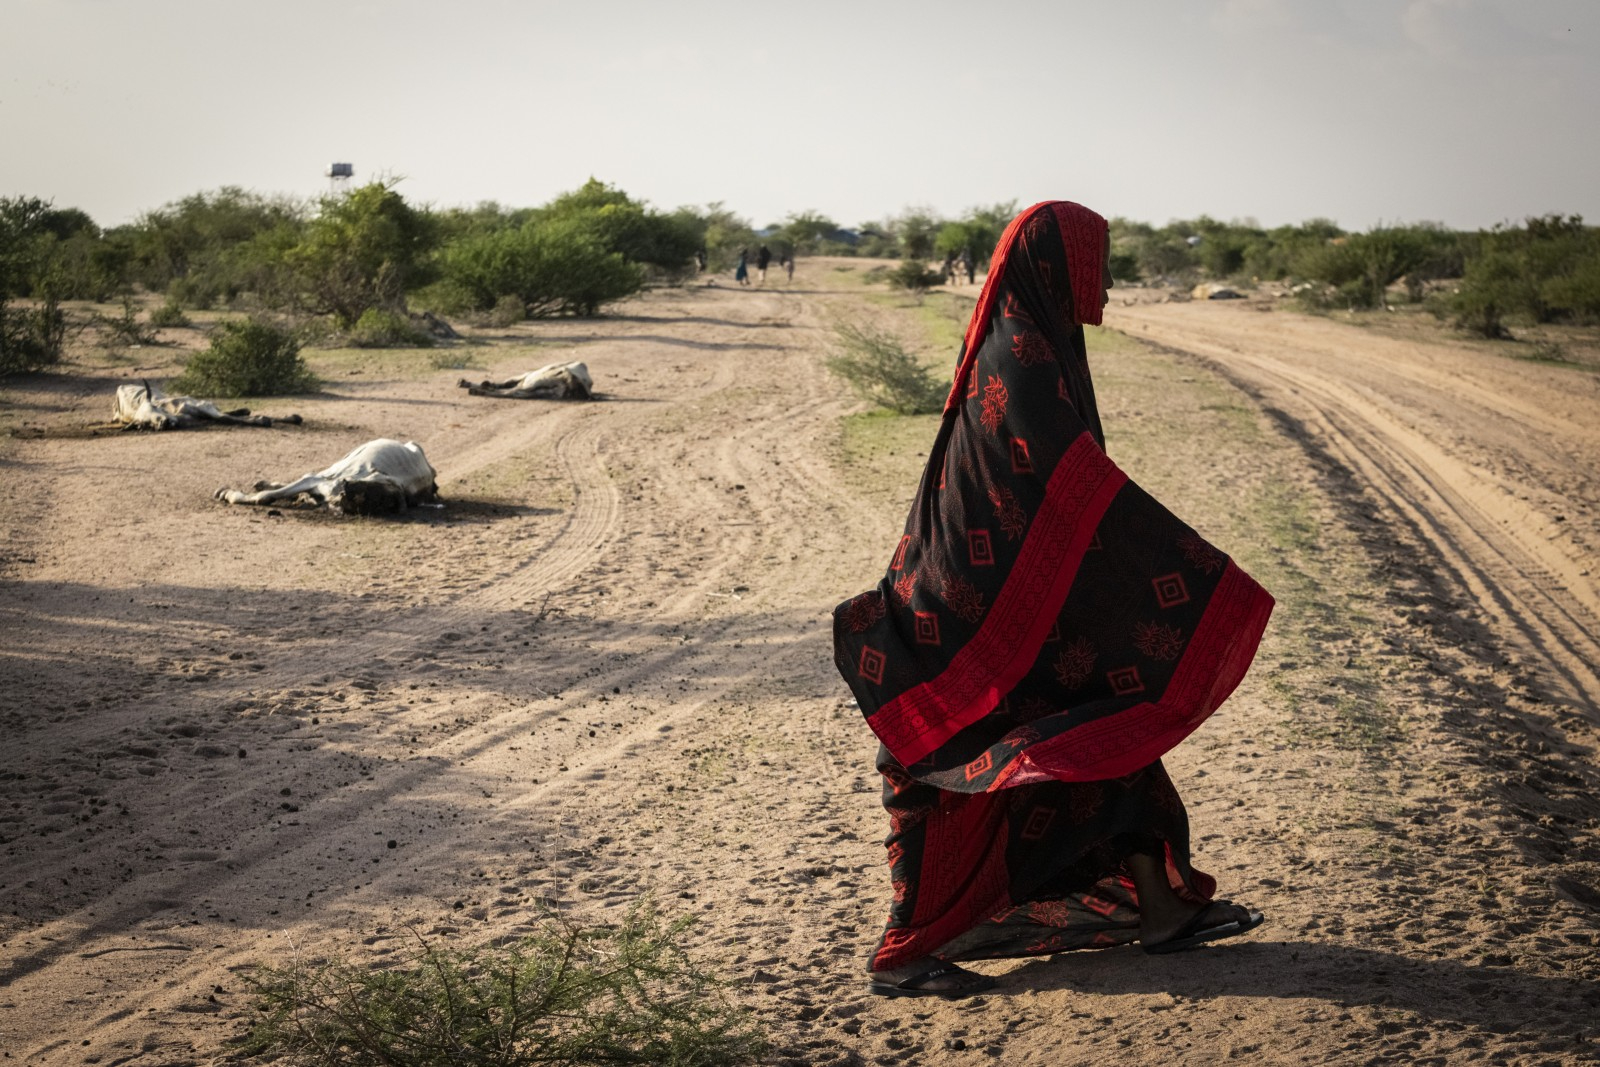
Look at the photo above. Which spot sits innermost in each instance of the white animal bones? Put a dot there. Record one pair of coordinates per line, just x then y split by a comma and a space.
556, 381
380, 476
140, 407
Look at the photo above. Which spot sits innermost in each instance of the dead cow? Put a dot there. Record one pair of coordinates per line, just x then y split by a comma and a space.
140, 407
557, 381
380, 476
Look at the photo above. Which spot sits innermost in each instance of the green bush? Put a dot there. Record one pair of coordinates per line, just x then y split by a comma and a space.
913, 274
1494, 286
1545, 271
508, 311
554, 268
878, 367
564, 997
380, 328
362, 251
209, 248
126, 329
31, 338
721, 234
169, 315
627, 227
1360, 268
250, 358
806, 231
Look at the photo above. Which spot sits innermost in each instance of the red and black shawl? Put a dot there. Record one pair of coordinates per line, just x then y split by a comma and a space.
1043, 619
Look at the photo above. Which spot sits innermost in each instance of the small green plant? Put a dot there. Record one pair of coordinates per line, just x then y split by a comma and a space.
452, 358
127, 329
1547, 352
508, 311
878, 367
31, 338
169, 315
913, 274
627, 994
249, 358
383, 328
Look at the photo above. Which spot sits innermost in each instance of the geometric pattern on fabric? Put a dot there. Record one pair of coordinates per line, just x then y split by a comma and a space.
872, 662
979, 551
1170, 590
1125, 681
1044, 632
1027, 871
1024, 530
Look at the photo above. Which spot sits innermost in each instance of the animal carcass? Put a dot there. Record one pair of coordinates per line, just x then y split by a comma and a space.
380, 476
1214, 291
140, 407
557, 381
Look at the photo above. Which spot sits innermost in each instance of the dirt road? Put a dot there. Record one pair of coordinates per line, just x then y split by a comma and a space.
603, 669
1487, 461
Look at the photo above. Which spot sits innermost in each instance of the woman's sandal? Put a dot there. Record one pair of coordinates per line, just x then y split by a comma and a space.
1193, 932
921, 984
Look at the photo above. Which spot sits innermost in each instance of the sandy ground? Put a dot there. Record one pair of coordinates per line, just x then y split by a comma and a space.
603, 669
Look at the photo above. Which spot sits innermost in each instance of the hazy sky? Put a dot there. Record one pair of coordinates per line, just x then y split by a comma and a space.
1463, 111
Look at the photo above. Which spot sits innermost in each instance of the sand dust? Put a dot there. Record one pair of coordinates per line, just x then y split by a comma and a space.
604, 670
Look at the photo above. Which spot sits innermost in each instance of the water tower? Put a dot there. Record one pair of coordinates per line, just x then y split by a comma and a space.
339, 175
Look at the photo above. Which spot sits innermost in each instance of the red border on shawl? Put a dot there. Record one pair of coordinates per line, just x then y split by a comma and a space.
1003, 650
951, 834
1219, 654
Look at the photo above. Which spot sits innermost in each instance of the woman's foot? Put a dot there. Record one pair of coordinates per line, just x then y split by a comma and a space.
1209, 922
1169, 923
929, 977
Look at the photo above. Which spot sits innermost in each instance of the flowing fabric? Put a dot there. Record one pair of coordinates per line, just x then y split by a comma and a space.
1045, 632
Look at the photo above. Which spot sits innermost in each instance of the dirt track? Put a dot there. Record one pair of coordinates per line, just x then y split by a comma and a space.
1489, 462
604, 669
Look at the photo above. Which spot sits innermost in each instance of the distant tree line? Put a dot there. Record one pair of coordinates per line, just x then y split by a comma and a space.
364, 260
1544, 270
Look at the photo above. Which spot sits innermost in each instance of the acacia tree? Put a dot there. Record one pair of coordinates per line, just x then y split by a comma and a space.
362, 251
721, 233
917, 228
806, 230
212, 246
30, 337
618, 223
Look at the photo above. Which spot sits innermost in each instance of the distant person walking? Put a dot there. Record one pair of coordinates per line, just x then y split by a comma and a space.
965, 262
741, 273
1046, 630
788, 264
763, 257
700, 261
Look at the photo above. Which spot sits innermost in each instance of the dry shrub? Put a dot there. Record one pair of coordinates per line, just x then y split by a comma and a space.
563, 997
879, 367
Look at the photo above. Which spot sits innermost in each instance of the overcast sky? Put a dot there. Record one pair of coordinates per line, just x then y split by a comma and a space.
1467, 112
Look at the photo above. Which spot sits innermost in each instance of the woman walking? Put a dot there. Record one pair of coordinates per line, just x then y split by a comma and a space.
741, 272
1045, 632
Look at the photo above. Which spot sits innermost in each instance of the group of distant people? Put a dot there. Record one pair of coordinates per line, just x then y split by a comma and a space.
741, 270
950, 271
956, 264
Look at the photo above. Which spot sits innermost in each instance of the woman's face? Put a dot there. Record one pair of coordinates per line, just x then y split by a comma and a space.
1106, 281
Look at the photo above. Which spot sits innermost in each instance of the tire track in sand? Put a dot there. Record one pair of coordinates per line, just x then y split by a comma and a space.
1529, 585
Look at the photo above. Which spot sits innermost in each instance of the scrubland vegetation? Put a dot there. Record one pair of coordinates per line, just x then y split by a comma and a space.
359, 266
564, 997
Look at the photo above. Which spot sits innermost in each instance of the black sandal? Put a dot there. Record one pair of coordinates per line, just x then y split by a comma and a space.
1192, 933
918, 984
